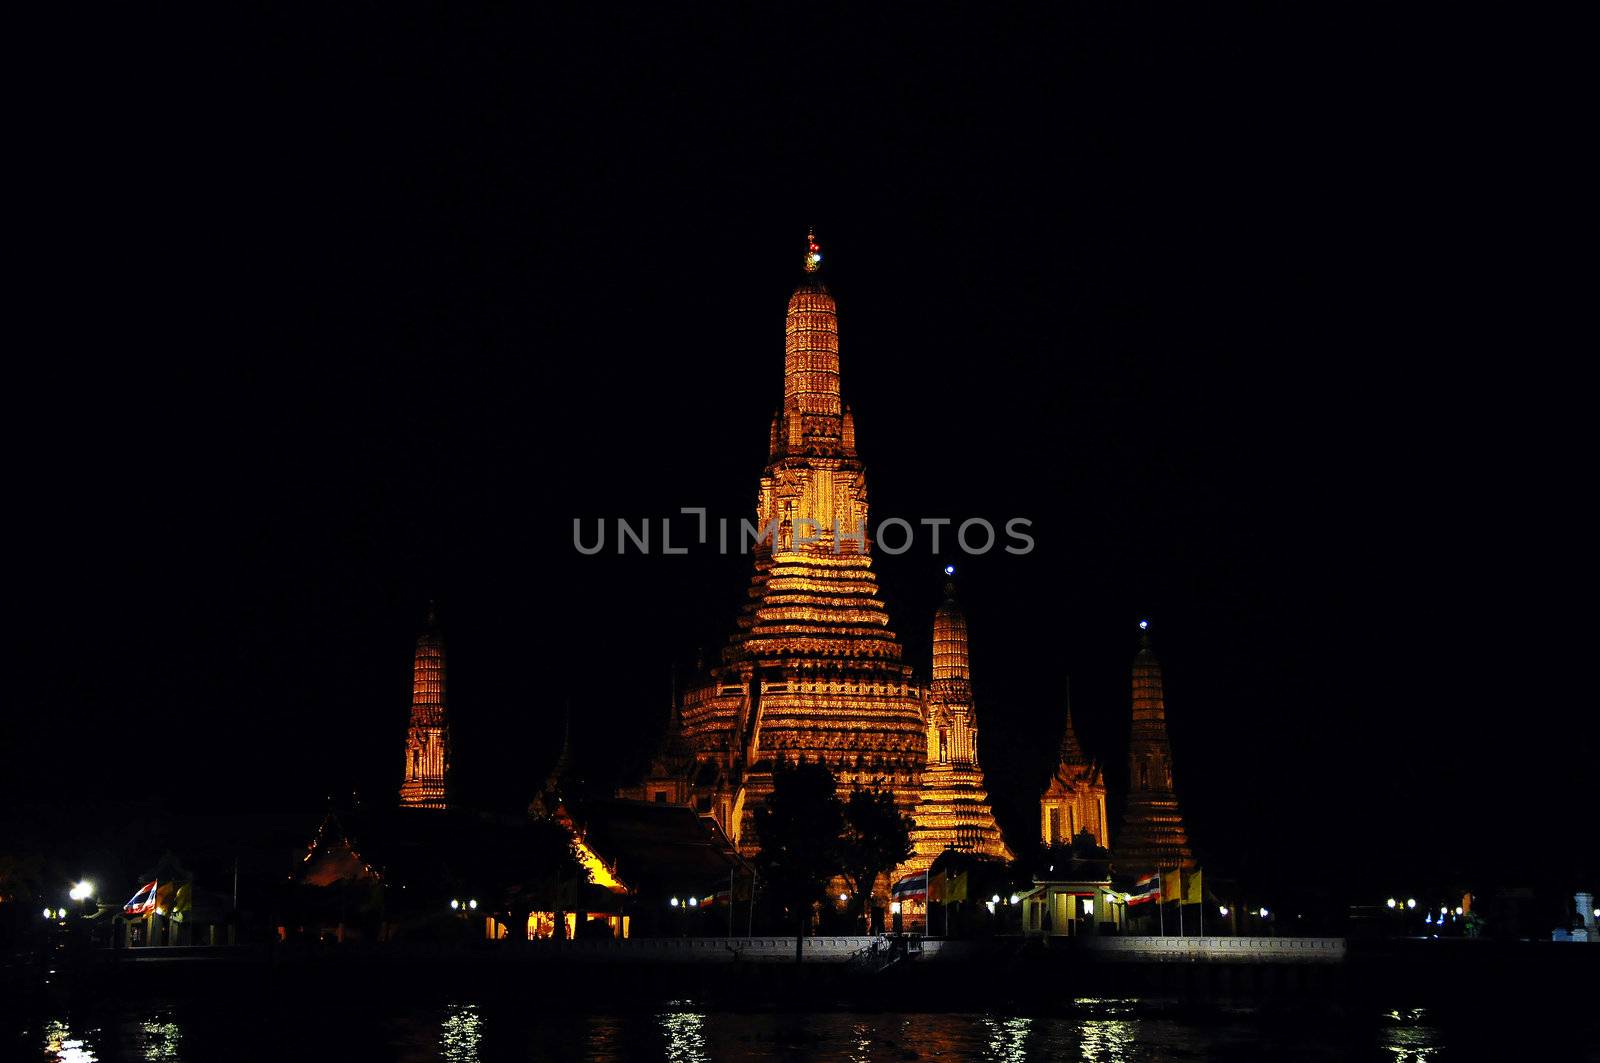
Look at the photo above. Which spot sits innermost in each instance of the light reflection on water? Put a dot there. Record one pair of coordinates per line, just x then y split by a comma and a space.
1008, 1039
1410, 1036
685, 1033
1109, 1032
160, 1040
461, 1033
63, 1046
1093, 1030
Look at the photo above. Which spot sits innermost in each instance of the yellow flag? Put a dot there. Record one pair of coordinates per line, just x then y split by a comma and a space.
936, 887
1192, 891
1171, 886
955, 888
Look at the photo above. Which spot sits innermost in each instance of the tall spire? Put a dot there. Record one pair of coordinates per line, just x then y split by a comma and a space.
951, 661
812, 670
953, 809
1152, 826
1071, 751
812, 415
427, 768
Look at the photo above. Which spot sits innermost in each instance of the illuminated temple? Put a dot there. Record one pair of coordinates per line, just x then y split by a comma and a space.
1075, 798
1152, 834
953, 812
427, 772
812, 671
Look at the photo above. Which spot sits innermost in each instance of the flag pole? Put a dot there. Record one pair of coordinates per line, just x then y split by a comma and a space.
1161, 901
1180, 900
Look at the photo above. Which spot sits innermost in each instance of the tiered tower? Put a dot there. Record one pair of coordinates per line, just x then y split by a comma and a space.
426, 782
953, 812
1075, 798
812, 671
1152, 835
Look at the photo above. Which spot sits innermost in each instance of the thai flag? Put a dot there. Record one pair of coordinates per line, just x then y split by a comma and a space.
143, 902
1147, 888
911, 888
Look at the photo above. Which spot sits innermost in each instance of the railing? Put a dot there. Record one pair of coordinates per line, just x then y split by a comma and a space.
1218, 949
759, 949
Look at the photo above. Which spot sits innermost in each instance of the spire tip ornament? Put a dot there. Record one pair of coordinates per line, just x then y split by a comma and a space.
813, 251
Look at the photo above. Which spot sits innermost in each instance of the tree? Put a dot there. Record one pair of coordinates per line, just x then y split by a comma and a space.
799, 828
876, 838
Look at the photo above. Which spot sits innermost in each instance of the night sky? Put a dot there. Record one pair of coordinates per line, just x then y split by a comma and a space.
322, 320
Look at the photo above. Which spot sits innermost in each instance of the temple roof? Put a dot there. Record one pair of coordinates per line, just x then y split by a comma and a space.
657, 846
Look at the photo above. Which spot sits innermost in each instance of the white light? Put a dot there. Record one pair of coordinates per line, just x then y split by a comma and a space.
1391, 902
694, 902
473, 904
454, 904
82, 891
1444, 911
894, 907
49, 913
844, 898
674, 902
1088, 908
949, 570
1263, 913
1458, 909
1411, 902
995, 899
1144, 625
61, 913
1014, 898
1222, 910
1597, 913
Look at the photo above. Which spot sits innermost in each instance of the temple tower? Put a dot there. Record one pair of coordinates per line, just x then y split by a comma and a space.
427, 773
812, 670
1074, 799
1152, 827
953, 811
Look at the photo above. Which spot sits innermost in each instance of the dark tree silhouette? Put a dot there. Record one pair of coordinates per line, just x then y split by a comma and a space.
877, 838
799, 828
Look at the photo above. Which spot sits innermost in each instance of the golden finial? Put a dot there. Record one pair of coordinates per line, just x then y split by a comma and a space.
813, 252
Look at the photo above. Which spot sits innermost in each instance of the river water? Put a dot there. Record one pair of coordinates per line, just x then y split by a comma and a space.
492, 1028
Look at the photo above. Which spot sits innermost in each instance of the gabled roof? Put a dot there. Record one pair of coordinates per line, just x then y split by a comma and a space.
658, 847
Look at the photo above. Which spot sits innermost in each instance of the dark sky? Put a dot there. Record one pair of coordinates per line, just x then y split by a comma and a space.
325, 319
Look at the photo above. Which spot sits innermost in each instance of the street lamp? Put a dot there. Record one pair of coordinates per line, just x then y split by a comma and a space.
82, 891
674, 902
1222, 910
473, 904
1263, 913
1411, 902
1391, 902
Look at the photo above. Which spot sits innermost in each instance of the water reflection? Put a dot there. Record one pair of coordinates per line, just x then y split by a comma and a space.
61, 1045
158, 1040
1108, 1033
685, 1033
1008, 1039
461, 1033
1410, 1036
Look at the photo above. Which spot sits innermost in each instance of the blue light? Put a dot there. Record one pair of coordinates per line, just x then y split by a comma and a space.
1144, 625
949, 570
